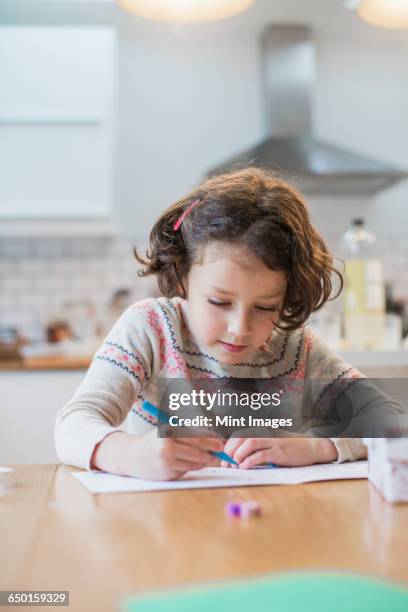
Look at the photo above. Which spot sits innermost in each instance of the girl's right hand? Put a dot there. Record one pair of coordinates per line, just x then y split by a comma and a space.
157, 458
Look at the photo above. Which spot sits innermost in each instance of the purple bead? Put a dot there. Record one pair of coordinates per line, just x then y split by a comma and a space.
233, 509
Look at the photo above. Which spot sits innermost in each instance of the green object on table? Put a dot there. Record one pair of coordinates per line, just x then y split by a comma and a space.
296, 592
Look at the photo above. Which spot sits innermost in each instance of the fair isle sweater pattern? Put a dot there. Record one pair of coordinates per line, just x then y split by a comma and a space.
120, 357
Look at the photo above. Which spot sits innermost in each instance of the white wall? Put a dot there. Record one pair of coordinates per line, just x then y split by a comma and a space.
186, 101
361, 103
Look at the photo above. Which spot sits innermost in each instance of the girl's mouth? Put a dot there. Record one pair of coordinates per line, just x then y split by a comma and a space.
233, 348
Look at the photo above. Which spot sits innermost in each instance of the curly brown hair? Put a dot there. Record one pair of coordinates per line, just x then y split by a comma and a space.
255, 209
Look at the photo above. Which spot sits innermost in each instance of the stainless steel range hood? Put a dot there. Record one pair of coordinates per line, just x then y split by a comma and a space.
316, 167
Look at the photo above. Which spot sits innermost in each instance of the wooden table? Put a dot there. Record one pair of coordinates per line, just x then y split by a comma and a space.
56, 536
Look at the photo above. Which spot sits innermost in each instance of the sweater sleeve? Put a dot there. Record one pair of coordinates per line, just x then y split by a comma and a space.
370, 405
117, 374
324, 365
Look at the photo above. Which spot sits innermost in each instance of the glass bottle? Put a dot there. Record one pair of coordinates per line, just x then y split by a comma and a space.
364, 293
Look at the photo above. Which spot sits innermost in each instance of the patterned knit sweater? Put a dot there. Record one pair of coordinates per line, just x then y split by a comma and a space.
151, 340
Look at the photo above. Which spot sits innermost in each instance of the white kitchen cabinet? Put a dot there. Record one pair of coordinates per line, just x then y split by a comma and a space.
57, 88
29, 402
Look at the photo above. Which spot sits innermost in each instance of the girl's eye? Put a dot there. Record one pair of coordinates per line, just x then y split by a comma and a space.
262, 308
215, 303
268, 309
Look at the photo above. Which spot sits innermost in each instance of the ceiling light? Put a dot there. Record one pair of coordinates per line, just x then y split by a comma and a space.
383, 13
185, 11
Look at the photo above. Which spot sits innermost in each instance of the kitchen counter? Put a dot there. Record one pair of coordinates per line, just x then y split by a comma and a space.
46, 363
360, 359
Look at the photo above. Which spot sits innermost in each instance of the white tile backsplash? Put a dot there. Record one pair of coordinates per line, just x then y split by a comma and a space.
39, 277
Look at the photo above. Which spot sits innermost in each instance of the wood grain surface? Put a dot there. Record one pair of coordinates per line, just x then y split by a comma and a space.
55, 535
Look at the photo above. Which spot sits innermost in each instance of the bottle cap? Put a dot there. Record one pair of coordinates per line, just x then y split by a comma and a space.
357, 221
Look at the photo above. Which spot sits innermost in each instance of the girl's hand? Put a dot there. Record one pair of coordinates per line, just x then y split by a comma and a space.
156, 458
170, 458
289, 452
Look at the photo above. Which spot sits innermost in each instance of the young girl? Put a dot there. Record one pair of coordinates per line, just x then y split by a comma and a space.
241, 269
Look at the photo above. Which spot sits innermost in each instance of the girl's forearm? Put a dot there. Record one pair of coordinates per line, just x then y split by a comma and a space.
111, 454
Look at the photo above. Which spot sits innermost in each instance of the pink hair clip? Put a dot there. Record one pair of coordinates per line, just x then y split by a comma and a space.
185, 213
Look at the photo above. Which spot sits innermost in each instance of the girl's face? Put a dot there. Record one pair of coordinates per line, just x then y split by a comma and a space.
232, 302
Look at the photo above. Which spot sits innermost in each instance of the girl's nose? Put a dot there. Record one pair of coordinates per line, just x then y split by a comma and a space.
239, 325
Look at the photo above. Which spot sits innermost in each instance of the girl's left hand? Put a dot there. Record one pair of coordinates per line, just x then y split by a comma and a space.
289, 452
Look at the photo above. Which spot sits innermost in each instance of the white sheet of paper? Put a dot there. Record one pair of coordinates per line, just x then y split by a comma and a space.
101, 482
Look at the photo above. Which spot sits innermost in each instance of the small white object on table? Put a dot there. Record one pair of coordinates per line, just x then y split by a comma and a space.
388, 467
